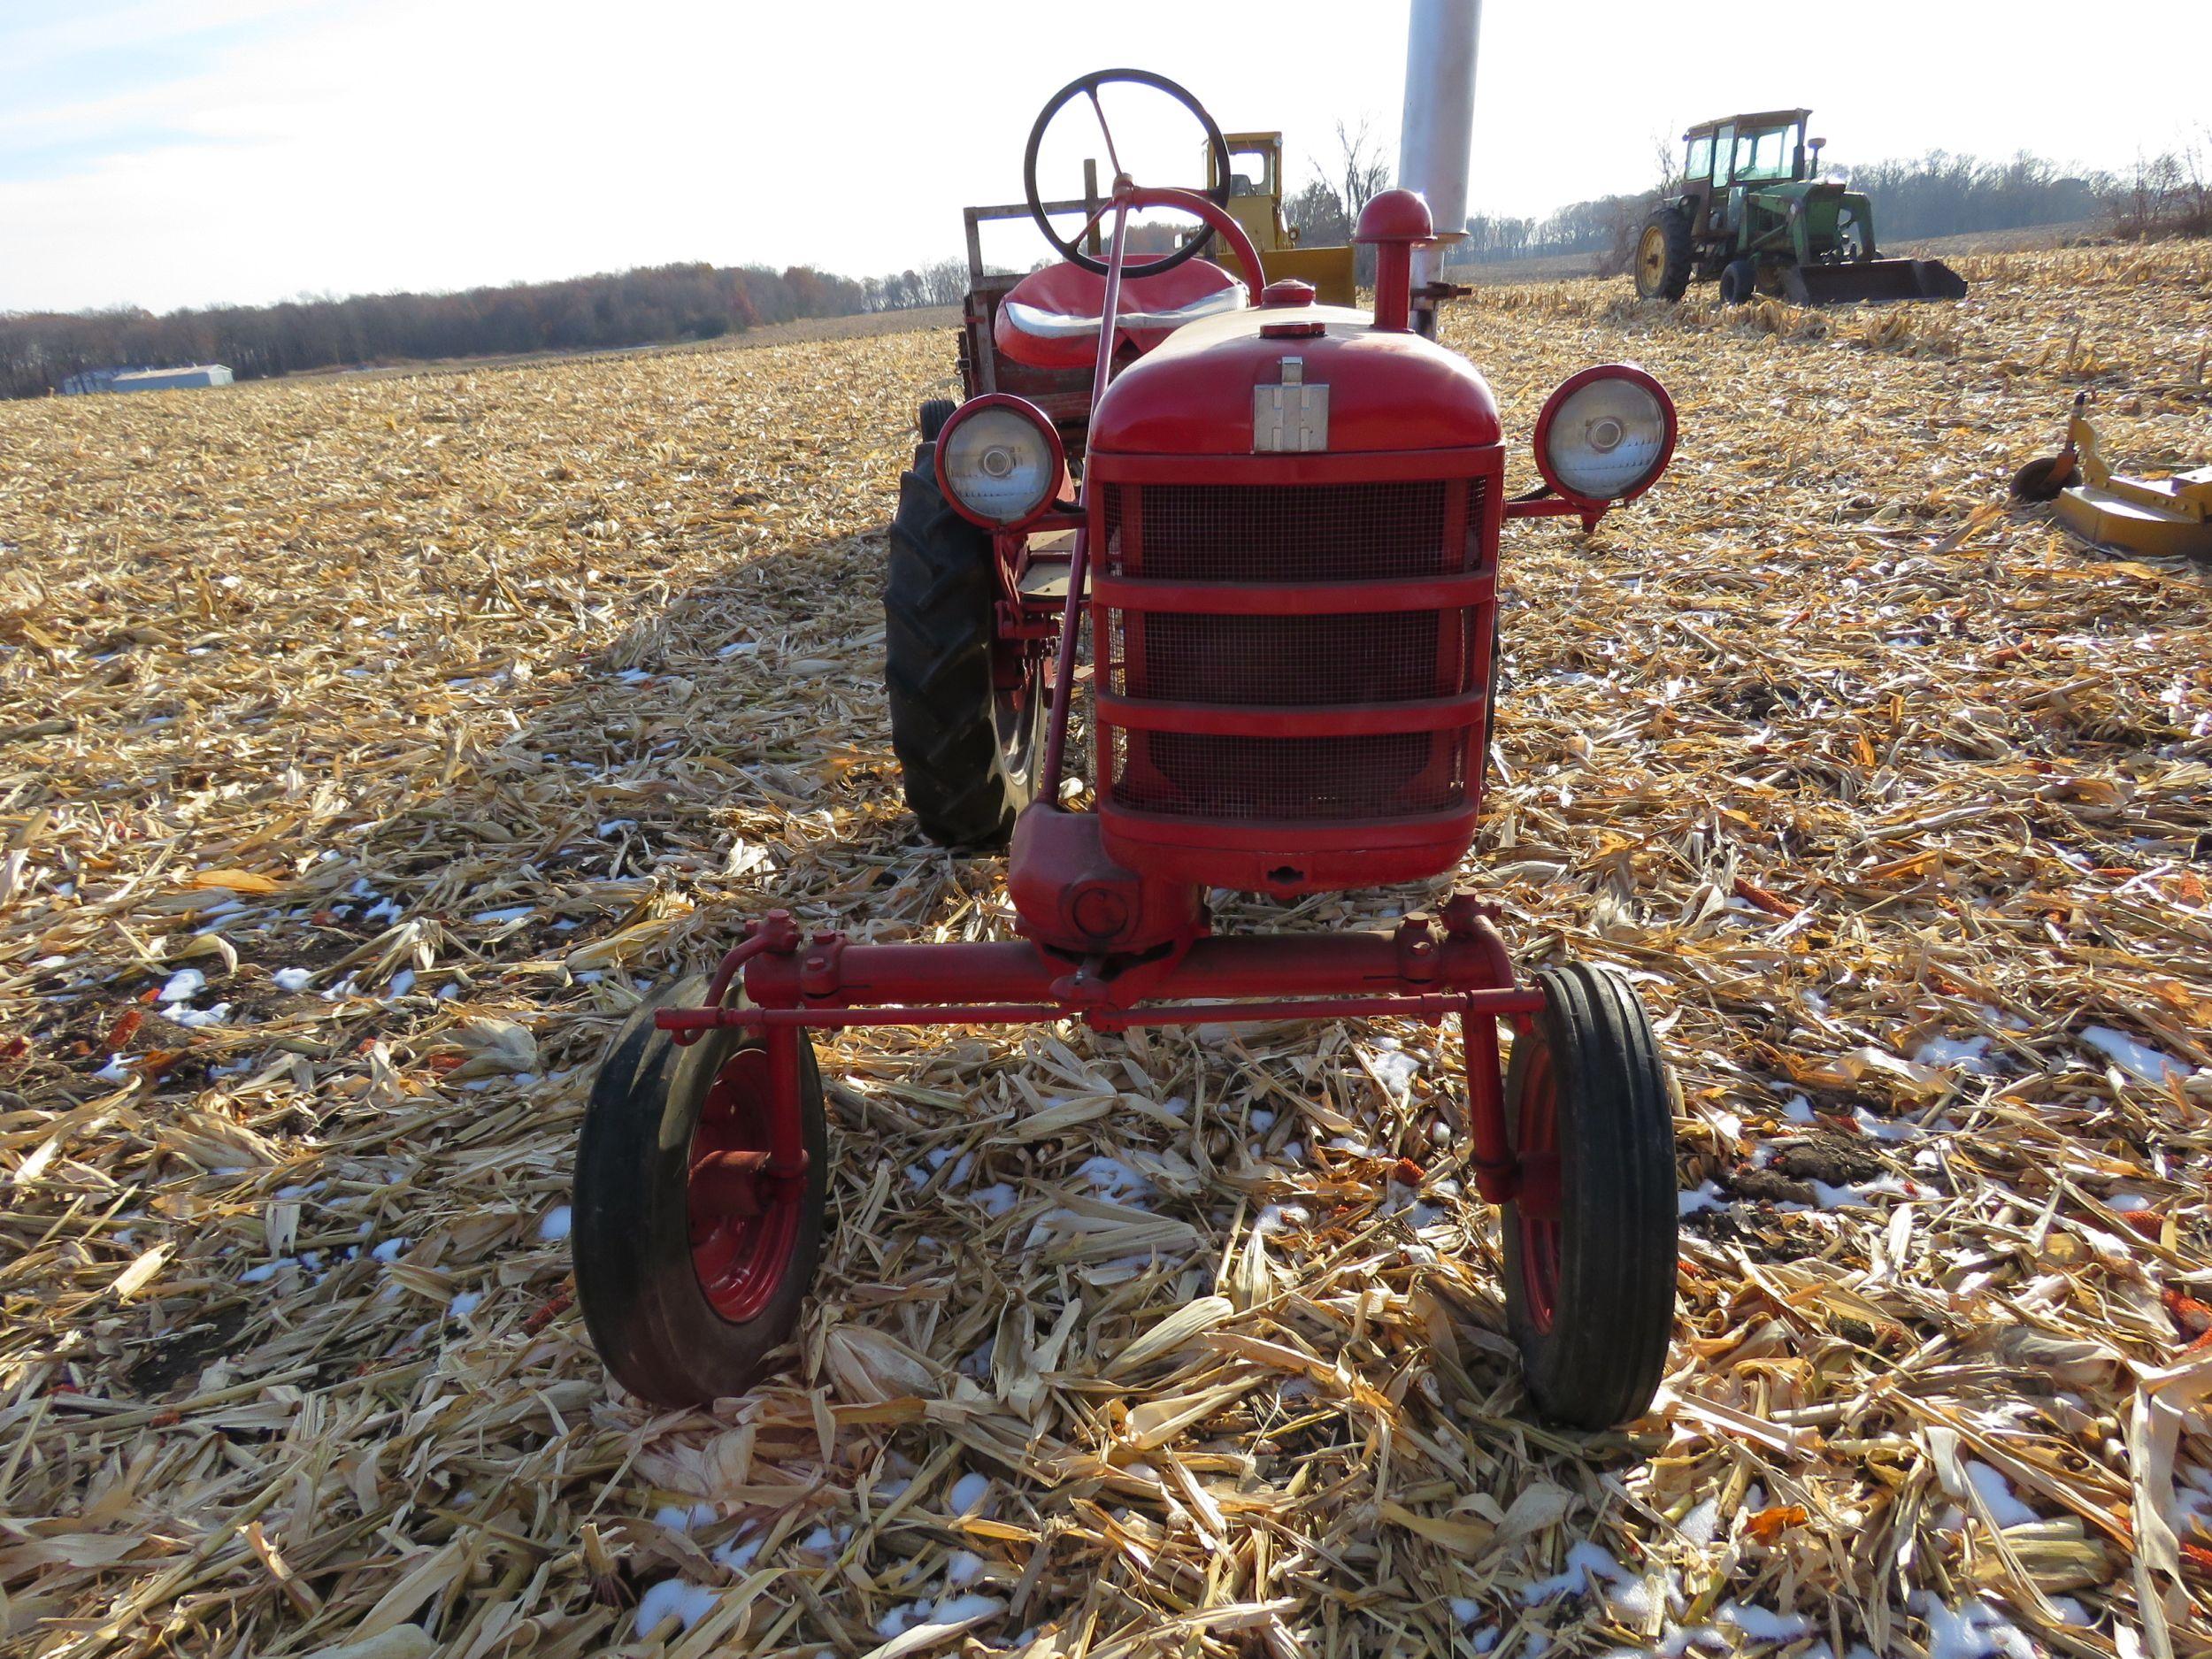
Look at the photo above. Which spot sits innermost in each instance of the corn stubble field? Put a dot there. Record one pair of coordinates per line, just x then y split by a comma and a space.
369, 746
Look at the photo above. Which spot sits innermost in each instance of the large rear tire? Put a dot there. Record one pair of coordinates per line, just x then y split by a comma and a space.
688, 1293
1590, 1246
1663, 255
967, 748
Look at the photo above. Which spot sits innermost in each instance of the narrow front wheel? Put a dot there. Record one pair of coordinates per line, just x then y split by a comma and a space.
696, 1235
1590, 1244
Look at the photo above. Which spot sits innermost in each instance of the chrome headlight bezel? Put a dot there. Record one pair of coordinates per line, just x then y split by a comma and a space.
1000, 462
1641, 418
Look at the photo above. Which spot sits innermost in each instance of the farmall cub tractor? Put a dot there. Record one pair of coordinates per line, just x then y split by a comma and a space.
1282, 520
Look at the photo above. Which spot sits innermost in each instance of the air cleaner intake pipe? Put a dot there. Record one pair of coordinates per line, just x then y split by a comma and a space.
1436, 138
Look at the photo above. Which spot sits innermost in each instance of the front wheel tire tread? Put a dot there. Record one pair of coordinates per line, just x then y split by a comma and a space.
1600, 1361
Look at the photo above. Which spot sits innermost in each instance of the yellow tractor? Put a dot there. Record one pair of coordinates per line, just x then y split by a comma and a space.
1256, 202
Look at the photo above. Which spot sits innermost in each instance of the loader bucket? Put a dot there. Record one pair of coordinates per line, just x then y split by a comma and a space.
1876, 281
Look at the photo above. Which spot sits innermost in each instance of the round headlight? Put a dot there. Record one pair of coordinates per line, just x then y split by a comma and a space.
999, 460
1605, 435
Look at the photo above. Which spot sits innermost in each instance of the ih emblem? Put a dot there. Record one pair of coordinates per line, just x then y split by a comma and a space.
1292, 417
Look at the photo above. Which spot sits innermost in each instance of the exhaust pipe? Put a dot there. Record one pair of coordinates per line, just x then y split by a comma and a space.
1436, 138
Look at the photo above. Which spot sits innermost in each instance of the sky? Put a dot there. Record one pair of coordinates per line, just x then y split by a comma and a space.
168, 153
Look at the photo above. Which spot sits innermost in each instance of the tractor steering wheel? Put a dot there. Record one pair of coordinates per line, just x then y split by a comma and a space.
1089, 86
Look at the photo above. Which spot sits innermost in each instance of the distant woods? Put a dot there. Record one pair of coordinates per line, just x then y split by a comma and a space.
1939, 195
39, 350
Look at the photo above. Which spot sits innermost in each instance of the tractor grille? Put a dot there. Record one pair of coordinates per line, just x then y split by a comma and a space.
1274, 534
1256, 537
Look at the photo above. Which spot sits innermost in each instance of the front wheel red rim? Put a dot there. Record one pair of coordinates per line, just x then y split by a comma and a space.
1537, 1137
745, 1224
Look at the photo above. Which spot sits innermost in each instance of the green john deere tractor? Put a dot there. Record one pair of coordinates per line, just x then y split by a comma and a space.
1755, 212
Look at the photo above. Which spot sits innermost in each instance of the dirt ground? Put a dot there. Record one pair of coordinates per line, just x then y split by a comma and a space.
368, 745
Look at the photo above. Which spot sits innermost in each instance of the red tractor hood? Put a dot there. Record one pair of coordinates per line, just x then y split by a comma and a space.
1193, 394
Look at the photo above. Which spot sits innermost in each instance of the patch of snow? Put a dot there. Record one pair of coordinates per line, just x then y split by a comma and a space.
968, 1492
1701, 1523
382, 911
266, 1271
1864, 1191
1797, 1110
1262, 1120
902, 1619
464, 1303
1112, 1178
390, 1249
402, 982
511, 913
1275, 1218
554, 1227
1759, 1623
997, 1199
184, 984
674, 1598
292, 979
1704, 1196
958, 1610
965, 1567
1587, 1561
2139, 1061
1974, 1631
196, 1017
2004, 1507
680, 1519
1396, 1072
1967, 1054
738, 1554
113, 1071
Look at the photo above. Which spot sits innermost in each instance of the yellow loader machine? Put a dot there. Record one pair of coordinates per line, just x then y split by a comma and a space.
1755, 212
1256, 202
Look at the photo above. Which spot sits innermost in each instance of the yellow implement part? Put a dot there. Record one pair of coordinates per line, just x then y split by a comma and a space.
2163, 516
1328, 269
2162, 519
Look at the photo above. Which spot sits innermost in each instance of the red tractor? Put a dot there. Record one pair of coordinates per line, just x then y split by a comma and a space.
1282, 521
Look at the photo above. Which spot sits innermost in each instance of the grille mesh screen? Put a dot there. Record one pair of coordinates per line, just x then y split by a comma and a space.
1318, 534
1263, 536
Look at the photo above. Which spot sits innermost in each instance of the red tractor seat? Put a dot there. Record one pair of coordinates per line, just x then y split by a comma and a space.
1049, 319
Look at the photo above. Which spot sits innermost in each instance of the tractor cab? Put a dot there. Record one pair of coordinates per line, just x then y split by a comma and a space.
1766, 147
1256, 187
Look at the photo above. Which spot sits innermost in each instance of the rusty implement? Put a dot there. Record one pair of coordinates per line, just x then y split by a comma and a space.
2164, 517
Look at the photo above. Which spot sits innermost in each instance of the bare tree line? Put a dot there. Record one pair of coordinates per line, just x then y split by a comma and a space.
40, 350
